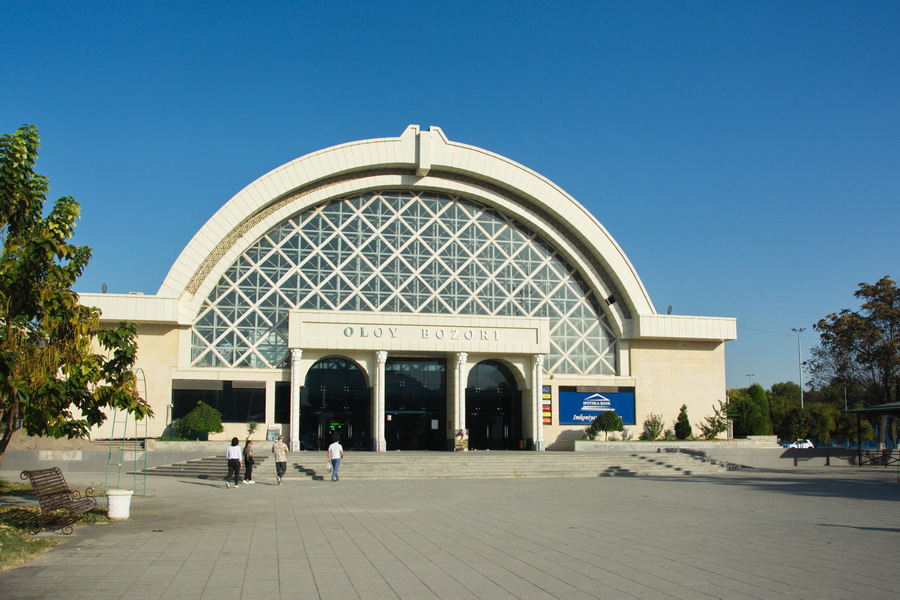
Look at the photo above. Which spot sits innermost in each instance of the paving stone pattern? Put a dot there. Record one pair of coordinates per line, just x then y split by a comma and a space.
828, 534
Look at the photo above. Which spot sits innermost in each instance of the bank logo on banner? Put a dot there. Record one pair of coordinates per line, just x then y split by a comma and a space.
596, 403
579, 408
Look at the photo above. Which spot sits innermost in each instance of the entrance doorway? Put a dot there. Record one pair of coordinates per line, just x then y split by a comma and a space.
415, 403
493, 408
334, 402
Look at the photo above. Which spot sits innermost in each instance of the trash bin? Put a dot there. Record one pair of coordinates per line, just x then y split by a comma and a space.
118, 503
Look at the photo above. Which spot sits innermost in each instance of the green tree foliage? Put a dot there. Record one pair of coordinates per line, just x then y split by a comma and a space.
745, 413
201, 421
715, 424
850, 429
761, 399
52, 380
653, 427
683, 424
798, 424
783, 397
825, 418
605, 422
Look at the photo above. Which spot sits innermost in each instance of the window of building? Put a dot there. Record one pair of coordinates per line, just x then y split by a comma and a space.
238, 401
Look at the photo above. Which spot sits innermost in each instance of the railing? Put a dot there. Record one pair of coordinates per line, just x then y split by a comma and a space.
880, 458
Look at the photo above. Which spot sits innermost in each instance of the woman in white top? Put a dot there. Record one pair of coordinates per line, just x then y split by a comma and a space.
233, 454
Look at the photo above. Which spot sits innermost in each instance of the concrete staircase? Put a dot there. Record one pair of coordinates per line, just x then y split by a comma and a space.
129, 445
213, 467
472, 465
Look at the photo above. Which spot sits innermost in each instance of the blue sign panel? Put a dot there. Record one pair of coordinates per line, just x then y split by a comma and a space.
580, 408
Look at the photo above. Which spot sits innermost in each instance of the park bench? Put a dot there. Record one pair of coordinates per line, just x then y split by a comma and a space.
60, 505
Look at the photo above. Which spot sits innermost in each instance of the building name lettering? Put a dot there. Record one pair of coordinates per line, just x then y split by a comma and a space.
426, 333
484, 335
376, 332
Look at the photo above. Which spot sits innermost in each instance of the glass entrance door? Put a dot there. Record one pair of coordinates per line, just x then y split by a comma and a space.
335, 400
493, 408
415, 403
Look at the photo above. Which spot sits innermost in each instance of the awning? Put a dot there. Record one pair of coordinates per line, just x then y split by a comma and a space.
889, 408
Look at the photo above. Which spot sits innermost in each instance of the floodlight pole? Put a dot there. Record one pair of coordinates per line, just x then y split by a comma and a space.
800, 360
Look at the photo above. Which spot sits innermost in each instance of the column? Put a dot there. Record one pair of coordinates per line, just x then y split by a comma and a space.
459, 404
270, 406
538, 407
296, 355
379, 443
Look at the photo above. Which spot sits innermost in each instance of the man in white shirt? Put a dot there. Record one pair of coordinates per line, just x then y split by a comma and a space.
335, 454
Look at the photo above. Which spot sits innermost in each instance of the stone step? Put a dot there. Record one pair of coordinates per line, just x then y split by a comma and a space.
129, 445
434, 465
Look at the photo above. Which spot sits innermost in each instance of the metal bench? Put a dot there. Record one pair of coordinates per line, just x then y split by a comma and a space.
60, 505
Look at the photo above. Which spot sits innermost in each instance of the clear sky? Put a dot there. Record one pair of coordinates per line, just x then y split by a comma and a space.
745, 155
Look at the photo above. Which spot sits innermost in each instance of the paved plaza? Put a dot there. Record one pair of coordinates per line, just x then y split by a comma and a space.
825, 534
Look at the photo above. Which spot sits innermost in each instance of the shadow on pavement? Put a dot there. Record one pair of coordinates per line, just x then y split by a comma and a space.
865, 485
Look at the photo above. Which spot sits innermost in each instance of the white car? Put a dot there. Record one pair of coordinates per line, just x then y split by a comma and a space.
801, 444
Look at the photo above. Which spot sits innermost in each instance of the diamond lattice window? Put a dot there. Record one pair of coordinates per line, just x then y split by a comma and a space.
399, 251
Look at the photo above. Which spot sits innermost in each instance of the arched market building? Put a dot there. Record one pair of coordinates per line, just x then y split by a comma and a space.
395, 291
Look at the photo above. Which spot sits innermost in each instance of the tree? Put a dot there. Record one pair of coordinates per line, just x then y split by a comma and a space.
863, 346
53, 382
682, 424
201, 421
825, 417
712, 426
745, 413
759, 397
605, 422
798, 424
783, 397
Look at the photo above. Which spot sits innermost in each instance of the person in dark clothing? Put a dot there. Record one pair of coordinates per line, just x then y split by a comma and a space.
233, 454
248, 462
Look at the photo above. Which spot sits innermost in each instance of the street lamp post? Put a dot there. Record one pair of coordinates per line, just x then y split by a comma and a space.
800, 360
750, 379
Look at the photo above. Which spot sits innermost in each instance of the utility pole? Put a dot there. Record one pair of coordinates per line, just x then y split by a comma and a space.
800, 360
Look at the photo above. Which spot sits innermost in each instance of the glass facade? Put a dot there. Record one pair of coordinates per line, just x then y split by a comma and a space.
239, 402
399, 251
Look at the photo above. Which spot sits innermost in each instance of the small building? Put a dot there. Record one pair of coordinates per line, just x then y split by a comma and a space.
408, 293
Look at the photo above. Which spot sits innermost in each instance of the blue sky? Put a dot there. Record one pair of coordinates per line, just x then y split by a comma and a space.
744, 154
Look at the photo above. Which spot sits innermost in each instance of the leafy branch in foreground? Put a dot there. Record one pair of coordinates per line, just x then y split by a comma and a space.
53, 382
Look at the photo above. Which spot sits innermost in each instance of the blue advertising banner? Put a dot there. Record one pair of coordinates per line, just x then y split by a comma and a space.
581, 408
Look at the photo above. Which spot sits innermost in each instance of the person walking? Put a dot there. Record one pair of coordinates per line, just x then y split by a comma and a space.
280, 450
233, 455
248, 462
335, 454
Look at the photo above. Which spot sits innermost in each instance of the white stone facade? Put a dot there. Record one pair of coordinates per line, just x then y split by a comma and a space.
478, 259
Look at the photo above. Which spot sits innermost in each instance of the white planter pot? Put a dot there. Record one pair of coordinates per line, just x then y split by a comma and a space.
118, 503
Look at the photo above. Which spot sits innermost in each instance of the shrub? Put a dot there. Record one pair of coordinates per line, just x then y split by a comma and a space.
653, 427
251, 428
201, 421
682, 424
716, 424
